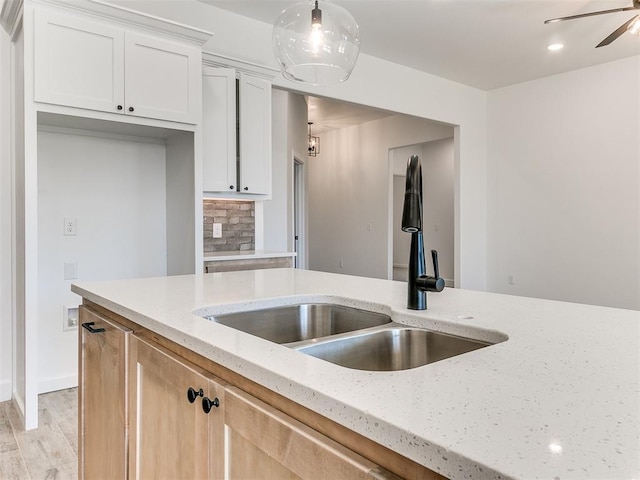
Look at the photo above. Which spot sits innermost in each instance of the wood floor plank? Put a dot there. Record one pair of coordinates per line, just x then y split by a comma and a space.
68, 471
12, 466
63, 405
49, 452
8, 441
46, 447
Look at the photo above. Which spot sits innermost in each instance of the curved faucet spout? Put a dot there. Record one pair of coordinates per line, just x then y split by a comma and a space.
412, 210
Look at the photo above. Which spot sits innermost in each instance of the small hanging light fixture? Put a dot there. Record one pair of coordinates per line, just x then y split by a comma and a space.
321, 48
314, 143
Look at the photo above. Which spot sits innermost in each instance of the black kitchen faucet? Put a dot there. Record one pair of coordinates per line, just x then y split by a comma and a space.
419, 282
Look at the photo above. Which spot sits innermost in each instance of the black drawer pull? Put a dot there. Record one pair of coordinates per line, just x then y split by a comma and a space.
89, 326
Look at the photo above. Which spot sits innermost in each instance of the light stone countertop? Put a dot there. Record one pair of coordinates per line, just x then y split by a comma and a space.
560, 399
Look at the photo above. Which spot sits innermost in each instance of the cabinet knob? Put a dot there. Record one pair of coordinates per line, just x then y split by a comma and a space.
119, 107
246, 188
131, 109
207, 404
230, 187
192, 394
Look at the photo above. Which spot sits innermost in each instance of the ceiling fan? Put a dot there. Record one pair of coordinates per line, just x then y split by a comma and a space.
632, 25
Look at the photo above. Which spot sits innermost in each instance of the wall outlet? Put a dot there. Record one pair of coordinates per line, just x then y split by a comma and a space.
70, 316
340, 263
70, 226
217, 230
369, 227
510, 280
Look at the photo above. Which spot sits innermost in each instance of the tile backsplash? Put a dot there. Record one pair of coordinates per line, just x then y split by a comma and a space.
238, 225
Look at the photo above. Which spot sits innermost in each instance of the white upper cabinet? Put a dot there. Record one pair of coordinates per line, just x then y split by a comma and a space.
236, 125
161, 79
78, 63
219, 127
255, 135
99, 66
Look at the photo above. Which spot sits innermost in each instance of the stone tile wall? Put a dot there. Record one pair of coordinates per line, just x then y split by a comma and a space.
238, 225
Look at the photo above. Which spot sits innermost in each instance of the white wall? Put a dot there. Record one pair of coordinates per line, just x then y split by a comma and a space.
276, 221
5, 218
564, 186
289, 117
117, 195
380, 84
298, 148
401, 240
349, 189
437, 158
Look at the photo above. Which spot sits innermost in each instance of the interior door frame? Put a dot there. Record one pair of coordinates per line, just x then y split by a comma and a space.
299, 213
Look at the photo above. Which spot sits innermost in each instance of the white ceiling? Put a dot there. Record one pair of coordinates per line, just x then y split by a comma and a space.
327, 114
482, 43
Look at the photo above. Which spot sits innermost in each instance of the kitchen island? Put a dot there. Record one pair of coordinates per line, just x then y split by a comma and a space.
558, 399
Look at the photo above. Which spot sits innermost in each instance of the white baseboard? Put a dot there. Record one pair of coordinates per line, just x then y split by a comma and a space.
57, 383
5, 390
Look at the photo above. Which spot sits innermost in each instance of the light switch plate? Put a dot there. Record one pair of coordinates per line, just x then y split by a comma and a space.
217, 230
70, 271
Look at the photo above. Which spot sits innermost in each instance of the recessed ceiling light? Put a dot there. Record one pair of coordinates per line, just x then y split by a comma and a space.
554, 47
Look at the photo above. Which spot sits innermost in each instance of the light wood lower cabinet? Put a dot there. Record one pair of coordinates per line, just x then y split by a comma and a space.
169, 435
142, 416
239, 438
102, 405
264, 443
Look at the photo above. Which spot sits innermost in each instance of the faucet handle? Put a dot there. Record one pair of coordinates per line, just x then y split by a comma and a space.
436, 268
435, 283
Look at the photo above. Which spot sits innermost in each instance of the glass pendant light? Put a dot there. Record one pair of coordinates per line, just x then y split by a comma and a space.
316, 42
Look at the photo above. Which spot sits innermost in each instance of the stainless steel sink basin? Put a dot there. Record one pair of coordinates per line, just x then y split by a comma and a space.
392, 348
295, 323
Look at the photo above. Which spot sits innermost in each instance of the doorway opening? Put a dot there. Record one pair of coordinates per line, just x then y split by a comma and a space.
438, 180
299, 220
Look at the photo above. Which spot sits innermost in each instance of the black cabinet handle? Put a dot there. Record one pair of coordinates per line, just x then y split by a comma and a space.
119, 107
246, 188
131, 109
230, 187
207, 404
192, 394
89, 326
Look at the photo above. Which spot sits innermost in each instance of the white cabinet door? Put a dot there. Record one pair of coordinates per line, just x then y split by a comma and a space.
78, 63
162, 79
219, 129
255, 135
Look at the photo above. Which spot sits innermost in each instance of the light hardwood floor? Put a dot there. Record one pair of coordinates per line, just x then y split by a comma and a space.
48, 452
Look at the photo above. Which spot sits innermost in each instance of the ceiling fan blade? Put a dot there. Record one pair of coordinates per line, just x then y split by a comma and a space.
591, 14
616, 33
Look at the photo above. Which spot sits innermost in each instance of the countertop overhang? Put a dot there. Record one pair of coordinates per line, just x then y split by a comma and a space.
559, 399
